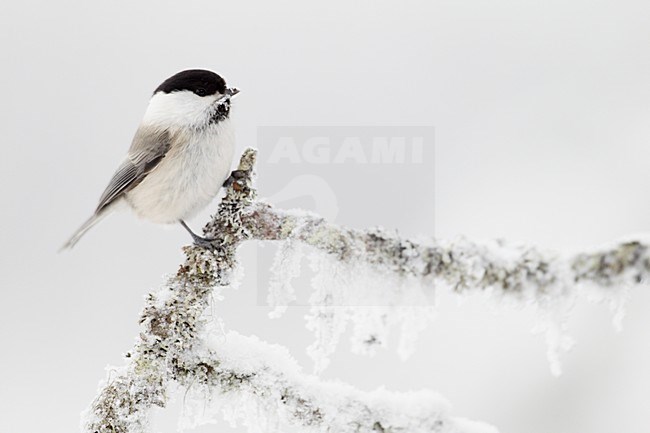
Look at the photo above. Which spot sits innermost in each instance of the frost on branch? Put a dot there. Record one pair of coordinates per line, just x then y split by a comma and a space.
373, 278
376, 280
285, 268
372, 301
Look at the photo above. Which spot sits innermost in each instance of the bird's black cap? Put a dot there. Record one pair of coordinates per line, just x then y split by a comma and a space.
198, 81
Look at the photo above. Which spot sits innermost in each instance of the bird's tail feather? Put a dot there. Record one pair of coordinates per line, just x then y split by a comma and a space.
90, 223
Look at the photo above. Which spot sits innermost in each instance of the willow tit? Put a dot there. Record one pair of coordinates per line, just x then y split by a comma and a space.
180, 156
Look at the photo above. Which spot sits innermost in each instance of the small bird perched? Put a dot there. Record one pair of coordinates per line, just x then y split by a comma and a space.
180, 156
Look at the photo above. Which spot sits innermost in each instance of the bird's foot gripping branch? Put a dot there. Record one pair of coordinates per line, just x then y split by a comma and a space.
182, 350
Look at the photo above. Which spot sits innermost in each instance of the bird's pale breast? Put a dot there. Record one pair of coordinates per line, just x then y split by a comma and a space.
189, 176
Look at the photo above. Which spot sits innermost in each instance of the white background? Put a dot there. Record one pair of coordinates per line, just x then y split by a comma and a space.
541, 115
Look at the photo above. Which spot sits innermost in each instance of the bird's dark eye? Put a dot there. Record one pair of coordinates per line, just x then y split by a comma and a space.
200, 91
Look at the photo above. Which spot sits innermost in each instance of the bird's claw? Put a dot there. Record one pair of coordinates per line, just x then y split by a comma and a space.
207, 243
235, 176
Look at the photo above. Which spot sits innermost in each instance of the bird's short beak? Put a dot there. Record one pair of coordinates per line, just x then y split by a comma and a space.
232, 91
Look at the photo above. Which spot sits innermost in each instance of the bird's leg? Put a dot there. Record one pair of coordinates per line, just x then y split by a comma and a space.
198, 240
235, 176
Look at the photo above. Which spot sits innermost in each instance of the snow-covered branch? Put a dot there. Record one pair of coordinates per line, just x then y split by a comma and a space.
461, 264
260, 384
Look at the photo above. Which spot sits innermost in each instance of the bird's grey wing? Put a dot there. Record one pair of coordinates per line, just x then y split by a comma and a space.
149, 147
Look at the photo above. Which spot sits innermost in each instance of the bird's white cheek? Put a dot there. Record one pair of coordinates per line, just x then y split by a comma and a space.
181, 109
